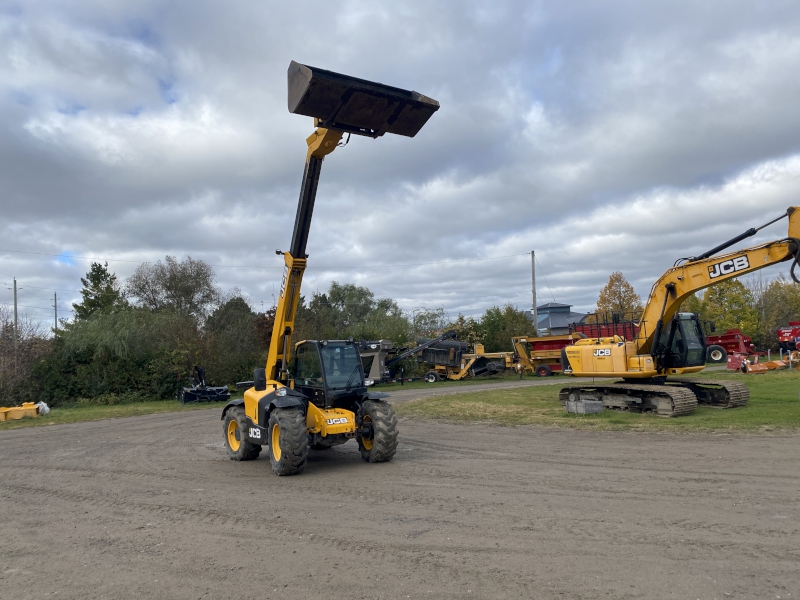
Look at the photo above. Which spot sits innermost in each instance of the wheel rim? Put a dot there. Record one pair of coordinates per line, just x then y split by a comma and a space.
367, 443
716, 355
275, 441
233, 435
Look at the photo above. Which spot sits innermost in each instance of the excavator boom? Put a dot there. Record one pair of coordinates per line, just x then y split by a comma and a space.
680, 282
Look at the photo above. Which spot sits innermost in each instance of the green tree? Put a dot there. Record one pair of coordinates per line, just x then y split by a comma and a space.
499, 325
186, 287
781, 304
350, 311
467, 330
134, 350
232, 345
428, 322
100, 292
730, 305
618, 296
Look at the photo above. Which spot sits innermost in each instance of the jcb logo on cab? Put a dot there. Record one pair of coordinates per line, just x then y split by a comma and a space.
728, 266
602, 352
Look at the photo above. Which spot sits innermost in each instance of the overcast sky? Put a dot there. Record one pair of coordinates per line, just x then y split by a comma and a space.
615, 135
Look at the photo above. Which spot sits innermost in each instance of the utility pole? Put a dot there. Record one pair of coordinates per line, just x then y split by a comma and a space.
55, 312
533, 280
16, 327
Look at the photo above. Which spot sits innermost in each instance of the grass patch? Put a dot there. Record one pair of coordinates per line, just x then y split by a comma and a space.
774, 405
78, 413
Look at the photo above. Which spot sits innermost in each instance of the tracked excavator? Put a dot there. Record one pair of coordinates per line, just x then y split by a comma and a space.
322, 398
673, 343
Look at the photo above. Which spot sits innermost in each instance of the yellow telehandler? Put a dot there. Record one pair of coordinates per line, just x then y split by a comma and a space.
322, 400
672, 343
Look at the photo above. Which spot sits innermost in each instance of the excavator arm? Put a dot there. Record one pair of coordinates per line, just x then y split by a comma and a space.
698, 273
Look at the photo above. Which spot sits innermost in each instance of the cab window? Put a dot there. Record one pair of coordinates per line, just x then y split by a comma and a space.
308, 370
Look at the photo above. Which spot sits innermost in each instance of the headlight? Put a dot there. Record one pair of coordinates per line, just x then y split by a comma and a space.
280, 392
369, 382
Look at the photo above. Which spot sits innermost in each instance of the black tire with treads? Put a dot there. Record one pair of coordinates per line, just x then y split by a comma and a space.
716, 354
292, 441
383, 445
245, 450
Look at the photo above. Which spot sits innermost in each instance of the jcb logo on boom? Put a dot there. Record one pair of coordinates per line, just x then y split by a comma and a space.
602, 352
728, 266
337, 421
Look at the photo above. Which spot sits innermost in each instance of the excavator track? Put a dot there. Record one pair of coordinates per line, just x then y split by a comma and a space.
715, 393
663, 400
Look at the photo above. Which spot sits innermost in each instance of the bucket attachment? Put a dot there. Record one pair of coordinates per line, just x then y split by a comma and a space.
355, 105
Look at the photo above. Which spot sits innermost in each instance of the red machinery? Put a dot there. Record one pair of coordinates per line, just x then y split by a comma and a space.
789, 336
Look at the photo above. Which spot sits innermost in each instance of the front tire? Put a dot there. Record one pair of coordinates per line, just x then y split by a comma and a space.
382, 445
543, 371
233, 429
288, 441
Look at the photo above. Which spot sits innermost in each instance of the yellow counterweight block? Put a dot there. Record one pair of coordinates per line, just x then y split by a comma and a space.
608, 357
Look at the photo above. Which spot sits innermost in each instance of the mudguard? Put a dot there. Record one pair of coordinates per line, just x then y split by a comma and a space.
231, 404
292, 399
380, 396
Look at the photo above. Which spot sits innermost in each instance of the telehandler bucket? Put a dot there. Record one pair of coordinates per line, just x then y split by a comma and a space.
355, 105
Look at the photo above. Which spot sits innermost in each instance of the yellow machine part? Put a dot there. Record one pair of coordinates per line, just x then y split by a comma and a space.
614, 357
330, 421
28, 409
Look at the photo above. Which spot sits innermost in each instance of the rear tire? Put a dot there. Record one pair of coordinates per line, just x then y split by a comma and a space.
383, 445
716, 354
432, 377
543, 371
288, 441
234, 427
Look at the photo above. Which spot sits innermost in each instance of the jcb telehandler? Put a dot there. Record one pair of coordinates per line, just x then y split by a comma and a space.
672, 343
322, 399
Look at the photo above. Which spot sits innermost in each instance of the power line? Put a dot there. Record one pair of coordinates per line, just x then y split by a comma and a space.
329, 268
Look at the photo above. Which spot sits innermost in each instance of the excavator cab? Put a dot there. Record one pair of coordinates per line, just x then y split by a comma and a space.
682, 344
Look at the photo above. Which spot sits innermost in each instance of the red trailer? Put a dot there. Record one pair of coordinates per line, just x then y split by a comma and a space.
789, 336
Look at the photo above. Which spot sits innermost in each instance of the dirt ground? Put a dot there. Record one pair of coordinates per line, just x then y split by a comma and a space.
150, 507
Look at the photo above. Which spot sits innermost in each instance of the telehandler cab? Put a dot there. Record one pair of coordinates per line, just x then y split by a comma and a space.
323, 400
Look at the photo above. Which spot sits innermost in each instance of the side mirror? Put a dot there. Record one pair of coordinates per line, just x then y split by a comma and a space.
712, 327
260, 379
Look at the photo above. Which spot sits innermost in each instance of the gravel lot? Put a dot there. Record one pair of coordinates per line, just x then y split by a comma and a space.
150, 507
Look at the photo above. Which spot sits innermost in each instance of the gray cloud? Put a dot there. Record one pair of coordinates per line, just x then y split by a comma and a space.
606, 136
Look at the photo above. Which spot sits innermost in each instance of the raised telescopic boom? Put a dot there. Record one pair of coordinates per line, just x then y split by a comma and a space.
339, 104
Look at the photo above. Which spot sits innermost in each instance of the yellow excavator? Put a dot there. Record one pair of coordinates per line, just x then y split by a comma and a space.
321, 399
672, 343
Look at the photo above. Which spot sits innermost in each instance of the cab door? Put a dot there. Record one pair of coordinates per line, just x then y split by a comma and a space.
308, 373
